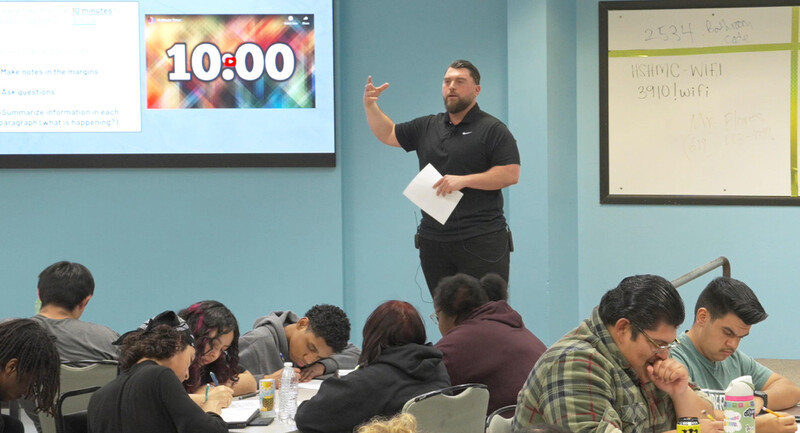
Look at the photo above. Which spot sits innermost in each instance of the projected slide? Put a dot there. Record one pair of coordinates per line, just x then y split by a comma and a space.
201, 83
230, 61
69, 67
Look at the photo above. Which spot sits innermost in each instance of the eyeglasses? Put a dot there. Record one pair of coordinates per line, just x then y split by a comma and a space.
435, 318
658, 348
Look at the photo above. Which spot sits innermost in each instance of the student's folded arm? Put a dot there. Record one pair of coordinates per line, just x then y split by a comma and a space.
782, 393
347, 358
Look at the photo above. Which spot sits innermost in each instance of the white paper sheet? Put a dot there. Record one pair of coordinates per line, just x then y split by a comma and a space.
312, 384
241, 411
421, 192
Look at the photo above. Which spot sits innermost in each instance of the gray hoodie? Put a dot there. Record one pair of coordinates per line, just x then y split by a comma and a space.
263, 349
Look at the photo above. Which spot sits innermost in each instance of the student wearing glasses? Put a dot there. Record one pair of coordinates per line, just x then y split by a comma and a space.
724, 313
216, 332
613, 372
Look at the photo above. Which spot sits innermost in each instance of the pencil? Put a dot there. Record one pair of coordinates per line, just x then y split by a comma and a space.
704, 412
772, 412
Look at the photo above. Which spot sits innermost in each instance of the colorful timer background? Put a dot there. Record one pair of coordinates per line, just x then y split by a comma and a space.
230, 61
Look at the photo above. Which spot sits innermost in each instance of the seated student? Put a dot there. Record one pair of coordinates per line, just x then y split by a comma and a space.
400, 423
29, 367
65, 289
395, 366
315, 343
216, 334
725, 311
469, 323
148, 395
613, 372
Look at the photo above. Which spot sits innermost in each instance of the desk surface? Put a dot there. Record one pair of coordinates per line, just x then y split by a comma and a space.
305, 392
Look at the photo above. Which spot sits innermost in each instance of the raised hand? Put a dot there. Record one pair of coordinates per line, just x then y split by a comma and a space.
372, 93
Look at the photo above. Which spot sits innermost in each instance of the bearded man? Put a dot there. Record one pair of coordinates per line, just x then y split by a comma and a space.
477, 155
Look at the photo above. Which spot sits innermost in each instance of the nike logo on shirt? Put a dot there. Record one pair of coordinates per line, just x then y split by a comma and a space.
466, 133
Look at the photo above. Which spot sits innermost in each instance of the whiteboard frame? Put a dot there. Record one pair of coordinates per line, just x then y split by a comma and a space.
606, 197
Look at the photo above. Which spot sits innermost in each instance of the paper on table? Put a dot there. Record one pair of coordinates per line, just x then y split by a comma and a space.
421, 192
312, 384
241, 411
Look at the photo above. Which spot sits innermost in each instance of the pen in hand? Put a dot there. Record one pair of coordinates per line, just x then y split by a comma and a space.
772, 412
704, 412
214, 378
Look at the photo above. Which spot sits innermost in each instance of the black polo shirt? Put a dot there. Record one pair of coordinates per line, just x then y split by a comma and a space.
475, 145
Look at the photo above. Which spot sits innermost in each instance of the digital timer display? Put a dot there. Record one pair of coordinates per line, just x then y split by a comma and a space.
230, 61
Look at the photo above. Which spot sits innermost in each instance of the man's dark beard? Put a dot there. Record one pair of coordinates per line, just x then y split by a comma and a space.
456, 106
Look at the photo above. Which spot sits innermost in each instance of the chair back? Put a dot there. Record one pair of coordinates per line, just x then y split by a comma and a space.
496, 422
460, 408
78, 376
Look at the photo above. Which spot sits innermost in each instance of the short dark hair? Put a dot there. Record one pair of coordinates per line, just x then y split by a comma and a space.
37, 360
466, 64
331, 323
65, 284
458, 295
160, 342
393, 323
204, 317
495, 286
725, 295
645, 300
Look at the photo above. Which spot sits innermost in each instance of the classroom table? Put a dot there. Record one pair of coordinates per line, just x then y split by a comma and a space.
305, 391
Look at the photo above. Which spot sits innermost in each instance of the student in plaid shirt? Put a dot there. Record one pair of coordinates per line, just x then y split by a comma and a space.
613, 373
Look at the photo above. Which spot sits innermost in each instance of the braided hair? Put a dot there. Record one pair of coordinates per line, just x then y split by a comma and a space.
37, 361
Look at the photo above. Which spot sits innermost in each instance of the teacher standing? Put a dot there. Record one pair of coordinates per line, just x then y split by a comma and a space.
477, 155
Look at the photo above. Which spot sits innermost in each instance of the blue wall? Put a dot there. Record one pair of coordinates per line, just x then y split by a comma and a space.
267, 239
158, 239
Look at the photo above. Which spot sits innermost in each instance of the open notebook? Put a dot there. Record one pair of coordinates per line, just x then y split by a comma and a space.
241, 412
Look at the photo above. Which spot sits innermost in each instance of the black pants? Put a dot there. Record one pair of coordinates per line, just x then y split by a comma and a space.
476, 256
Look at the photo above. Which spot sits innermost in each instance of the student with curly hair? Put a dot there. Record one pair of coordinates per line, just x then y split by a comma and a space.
216, 334
29, 367
316, 343
395, 366
148, 396
401, 423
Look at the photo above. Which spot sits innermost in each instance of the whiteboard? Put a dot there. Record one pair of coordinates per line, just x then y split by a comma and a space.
699, 104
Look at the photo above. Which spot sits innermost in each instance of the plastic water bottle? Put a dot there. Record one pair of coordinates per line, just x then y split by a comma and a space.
287, 395
740, 409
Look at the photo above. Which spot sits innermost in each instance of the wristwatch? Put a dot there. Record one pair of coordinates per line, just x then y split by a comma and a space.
763, 396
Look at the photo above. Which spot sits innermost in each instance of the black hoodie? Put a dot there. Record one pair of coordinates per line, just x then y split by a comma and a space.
382, 388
